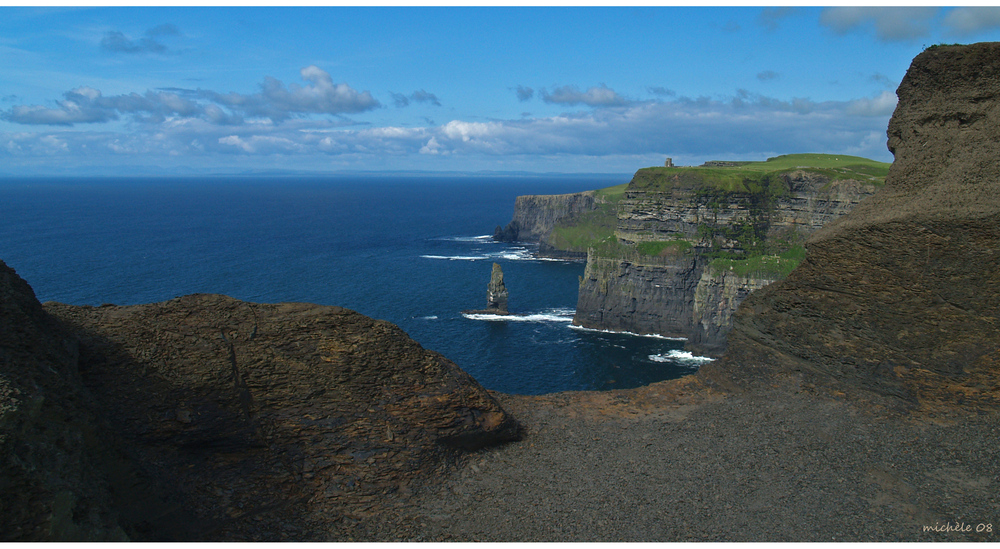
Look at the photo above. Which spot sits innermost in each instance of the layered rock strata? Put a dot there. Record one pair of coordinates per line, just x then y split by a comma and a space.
672, 294
902, 295
209, 418
496, 291
536, 215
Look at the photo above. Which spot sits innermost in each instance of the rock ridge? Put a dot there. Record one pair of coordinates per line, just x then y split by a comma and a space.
209, 418
902, 295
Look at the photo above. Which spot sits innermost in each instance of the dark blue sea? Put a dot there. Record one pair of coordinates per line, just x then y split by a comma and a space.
411, 250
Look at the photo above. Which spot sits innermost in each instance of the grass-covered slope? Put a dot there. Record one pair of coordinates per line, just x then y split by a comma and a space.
733, 176
715, 185
578, 233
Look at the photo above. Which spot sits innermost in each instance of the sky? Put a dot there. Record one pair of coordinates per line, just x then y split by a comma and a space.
118, 91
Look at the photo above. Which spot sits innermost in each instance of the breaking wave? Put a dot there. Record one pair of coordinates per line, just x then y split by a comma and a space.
657, 336
683, 357
483, 238
551, 315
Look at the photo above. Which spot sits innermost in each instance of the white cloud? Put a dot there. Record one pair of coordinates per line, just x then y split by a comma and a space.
882, 105
744, 125
85, 105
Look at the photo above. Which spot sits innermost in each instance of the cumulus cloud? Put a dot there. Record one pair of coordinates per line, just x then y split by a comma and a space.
971, 20
597, 96
891, 24
118, 42
319, 96
881, 105
275, 101
743, 125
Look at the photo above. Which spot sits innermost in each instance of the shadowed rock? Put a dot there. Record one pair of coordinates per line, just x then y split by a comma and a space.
208, 418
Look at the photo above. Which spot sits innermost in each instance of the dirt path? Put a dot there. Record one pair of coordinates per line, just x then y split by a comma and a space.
672, 463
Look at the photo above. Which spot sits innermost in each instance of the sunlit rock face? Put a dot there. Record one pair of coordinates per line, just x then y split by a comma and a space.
902, 295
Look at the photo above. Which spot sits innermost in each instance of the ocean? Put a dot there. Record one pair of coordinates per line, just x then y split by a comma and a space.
415, 251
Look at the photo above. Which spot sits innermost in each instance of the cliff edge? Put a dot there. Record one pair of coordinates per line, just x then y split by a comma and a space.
902, 295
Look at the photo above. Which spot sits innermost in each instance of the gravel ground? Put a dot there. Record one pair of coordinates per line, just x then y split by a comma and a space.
770, 464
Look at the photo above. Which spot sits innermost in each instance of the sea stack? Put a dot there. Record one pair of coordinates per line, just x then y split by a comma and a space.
496, 292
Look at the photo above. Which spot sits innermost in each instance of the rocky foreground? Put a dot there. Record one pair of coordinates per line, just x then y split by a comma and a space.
859, 399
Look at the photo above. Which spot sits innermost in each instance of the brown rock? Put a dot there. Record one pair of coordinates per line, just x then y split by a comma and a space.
290, 411
901, 296
208, 418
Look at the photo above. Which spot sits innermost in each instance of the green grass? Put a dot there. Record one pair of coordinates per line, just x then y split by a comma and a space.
580, 232
762, 266
732, 179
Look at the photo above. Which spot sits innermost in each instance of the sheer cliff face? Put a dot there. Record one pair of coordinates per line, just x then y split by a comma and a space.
536, 215
813, 201
677, 296
902, 295
648, 297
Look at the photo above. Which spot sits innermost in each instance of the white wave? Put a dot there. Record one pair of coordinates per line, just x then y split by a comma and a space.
431, 317
683, 357
657, 336
554, 315
483, 238
457, 257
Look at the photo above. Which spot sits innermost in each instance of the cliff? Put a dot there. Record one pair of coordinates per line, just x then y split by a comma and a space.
209, 418
691, 243
902, 295
536, 215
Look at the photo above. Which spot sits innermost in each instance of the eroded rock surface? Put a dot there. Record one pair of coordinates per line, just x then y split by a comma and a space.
902, 295
496, 291
209, 418
51, 463
277, 420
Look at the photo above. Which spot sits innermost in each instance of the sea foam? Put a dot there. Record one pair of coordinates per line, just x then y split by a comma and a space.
657, 336
683, 357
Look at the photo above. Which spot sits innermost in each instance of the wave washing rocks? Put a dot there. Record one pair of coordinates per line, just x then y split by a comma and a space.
496, 295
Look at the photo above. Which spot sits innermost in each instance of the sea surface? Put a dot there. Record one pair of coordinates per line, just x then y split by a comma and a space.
415, 251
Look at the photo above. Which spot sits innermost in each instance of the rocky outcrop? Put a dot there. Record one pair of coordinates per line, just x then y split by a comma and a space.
536, 215
716, 297
496, 291
209, 418
639, 295
673, 295
902, 295
52, 463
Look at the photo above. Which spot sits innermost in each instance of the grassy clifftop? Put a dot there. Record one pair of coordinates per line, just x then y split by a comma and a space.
716, 184
733, 176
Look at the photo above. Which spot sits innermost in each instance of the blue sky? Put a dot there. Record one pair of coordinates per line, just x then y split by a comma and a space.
186, 90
